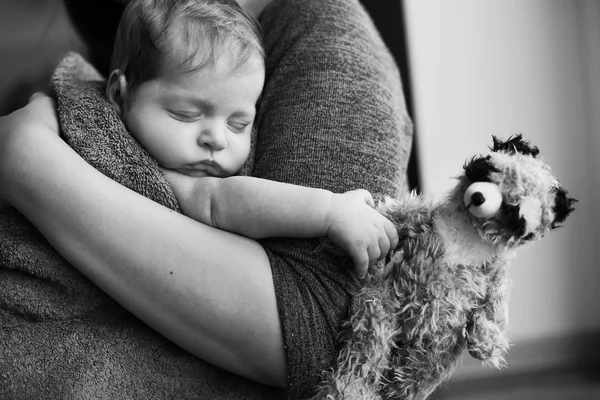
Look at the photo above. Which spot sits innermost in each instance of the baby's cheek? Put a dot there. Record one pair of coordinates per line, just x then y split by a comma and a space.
240, 151
244, 146
171, 154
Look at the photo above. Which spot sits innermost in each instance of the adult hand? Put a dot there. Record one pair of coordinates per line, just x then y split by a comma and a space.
40, 109
39, 115
356, 227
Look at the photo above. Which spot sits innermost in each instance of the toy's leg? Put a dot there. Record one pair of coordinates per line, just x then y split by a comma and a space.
486, 339
366, 349
427, 356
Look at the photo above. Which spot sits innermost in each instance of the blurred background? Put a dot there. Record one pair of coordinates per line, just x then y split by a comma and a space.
479, 68
471, 69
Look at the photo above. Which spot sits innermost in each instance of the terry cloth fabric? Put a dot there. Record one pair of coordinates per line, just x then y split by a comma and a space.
332, 116
60, 336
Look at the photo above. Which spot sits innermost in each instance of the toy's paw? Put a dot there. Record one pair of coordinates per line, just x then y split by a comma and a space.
486, 342
490, 355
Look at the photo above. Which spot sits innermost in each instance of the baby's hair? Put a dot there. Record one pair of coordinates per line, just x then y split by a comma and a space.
193, 33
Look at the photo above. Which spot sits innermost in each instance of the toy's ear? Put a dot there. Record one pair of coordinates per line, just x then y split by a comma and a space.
515, 144
563, 205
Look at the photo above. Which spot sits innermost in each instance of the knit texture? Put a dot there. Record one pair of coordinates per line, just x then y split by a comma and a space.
332, 116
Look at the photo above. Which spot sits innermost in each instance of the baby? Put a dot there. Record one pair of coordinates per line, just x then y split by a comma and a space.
186, 78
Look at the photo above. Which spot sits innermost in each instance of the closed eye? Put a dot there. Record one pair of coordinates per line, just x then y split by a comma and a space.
238, 127
185, 116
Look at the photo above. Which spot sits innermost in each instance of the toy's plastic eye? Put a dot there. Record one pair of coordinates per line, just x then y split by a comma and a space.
483, 199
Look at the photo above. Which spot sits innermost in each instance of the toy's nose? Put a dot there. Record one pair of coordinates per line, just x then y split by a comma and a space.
483, 199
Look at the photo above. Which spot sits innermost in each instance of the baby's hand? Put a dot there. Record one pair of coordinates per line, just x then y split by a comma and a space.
356, 227
181, 184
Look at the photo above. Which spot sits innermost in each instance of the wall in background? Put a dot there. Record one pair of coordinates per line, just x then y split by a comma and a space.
34, 36
499, 67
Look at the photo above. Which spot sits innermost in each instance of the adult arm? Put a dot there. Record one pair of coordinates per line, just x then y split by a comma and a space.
254, 7
177, 275
259, 208
332, 116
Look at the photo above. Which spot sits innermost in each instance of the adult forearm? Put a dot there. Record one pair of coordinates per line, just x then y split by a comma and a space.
254, 7
172, 272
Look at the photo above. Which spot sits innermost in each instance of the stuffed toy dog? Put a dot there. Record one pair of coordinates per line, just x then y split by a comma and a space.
445, 288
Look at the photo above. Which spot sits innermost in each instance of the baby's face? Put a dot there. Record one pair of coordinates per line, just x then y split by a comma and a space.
198, 123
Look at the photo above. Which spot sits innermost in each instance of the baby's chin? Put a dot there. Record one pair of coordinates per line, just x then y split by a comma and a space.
193, 173
202, 173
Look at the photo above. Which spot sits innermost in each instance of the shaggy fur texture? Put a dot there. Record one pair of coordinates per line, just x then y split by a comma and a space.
445, 288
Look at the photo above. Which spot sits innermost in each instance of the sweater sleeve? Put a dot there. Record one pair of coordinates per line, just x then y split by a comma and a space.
332, 116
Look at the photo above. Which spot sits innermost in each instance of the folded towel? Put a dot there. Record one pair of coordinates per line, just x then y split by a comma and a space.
60, 335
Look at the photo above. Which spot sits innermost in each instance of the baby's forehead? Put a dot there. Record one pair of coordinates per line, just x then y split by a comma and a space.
189, 50
182, 63
182, 80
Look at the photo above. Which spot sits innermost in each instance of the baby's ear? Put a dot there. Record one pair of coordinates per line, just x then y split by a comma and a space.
116, 91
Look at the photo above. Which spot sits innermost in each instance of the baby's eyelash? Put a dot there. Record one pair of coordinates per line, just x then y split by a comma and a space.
238, 127
185, 117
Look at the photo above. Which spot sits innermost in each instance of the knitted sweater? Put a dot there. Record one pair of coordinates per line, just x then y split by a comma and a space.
332, 116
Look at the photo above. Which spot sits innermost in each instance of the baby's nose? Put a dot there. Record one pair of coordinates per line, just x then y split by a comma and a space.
214, 138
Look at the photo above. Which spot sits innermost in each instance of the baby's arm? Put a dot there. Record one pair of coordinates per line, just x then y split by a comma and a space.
259, 208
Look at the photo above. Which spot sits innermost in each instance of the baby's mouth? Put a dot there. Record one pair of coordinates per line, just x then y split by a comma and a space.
209, 167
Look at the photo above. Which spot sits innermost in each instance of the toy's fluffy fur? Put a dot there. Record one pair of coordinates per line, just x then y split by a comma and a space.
445, 288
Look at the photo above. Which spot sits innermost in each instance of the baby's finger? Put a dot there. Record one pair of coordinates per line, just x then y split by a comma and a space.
374, 252
361, 263
384, 246
366, 196
392, 233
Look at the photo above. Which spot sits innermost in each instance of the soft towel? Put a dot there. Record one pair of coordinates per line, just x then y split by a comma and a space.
61, 337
